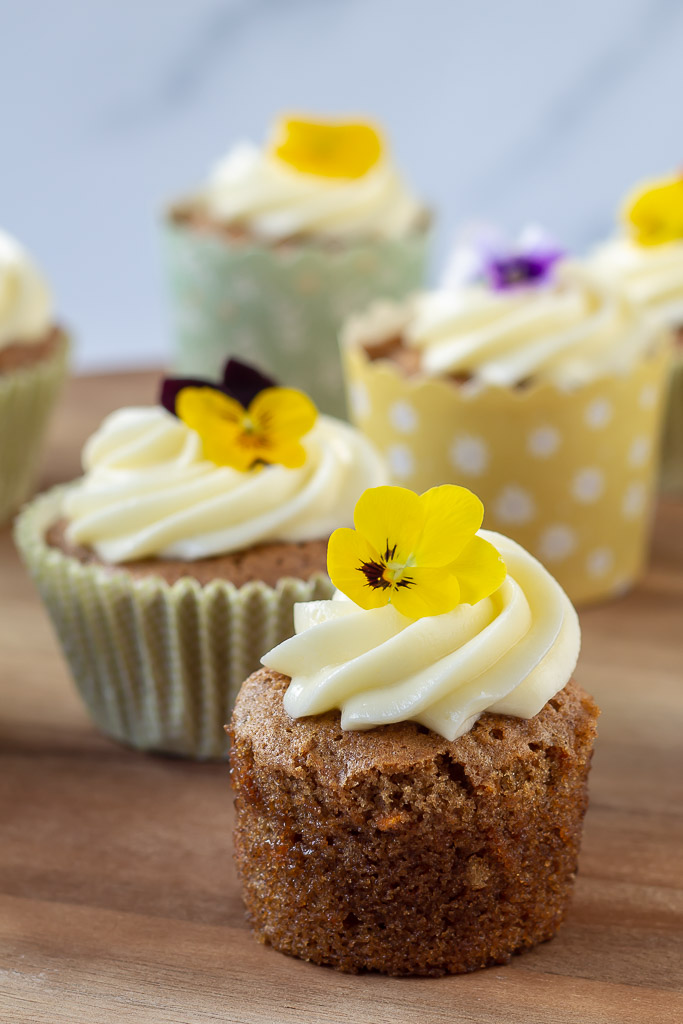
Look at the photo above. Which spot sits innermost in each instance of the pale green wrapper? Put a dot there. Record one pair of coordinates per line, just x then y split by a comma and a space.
672, 442
27, 398
280, 307
157, 665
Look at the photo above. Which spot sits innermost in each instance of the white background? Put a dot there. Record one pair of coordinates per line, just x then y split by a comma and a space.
509, 111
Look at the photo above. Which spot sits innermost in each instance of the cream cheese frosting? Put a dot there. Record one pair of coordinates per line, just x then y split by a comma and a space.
255, 188
570, 331
651, 276
508, 654
25, 303
149, 491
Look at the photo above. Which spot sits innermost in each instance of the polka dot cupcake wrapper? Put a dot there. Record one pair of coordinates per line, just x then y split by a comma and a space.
27, 398
568, 474
158, 666
672, 447
280, 308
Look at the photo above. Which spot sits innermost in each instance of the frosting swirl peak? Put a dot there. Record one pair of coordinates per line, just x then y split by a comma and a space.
25, 303
508, 653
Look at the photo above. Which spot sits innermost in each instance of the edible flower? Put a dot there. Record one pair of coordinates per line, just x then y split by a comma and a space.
419, 553
486, 256
328, 149
245, 422
654, 212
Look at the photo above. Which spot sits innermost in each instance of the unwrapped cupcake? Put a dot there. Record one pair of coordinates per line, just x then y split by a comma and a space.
282, 243
647, 261
33, 364
174, 563
530, 378
410, 769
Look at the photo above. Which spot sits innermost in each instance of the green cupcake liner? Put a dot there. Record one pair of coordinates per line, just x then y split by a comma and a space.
157, 665
280, 307
27, 398
672, 442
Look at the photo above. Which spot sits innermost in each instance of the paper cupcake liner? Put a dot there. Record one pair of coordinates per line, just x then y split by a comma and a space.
570, 475
157, 665
27, 398
672, 441
279, 307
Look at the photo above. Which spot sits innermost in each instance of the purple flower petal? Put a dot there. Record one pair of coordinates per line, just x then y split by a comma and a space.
240, 381
170, 386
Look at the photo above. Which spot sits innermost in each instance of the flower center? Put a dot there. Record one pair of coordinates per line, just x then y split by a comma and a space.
386, 572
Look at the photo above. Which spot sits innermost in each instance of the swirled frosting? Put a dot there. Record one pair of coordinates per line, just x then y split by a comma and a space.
149, 491
651, 276
25, 303
570, 331
275, 202
508, 654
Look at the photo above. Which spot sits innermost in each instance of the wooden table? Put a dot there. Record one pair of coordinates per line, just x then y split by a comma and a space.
118, 897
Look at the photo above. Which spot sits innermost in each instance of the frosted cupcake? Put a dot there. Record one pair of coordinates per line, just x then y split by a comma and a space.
647, 261
531, 379
174, 562
282, 243
411, 768
33, 358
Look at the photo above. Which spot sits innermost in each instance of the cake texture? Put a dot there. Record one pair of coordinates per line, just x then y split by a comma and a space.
398, 851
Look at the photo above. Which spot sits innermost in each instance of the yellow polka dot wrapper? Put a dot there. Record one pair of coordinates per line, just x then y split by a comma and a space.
672, 446
570, 475
157, 665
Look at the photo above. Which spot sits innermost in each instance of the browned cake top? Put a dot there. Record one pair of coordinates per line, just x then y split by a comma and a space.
18, 355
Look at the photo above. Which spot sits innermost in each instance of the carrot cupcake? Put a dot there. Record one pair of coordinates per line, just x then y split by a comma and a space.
530, 378
283, 242
175, 561
647, 262
410, 768
33, 357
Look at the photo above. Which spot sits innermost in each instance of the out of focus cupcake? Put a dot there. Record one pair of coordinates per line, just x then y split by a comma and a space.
174, 563
282, 243
647, 261
33, 359
527, 377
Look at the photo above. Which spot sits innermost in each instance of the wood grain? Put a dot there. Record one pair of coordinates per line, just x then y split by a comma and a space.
118, 897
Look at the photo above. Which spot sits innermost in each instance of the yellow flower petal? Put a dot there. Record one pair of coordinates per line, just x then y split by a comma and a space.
217, 419
282, 413
654, 213
390, 517
432, 591
452, 516
292, 455
327, 149
480, 570
347, 553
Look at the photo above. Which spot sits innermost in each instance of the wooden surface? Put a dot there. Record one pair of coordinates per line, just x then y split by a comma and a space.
118, 898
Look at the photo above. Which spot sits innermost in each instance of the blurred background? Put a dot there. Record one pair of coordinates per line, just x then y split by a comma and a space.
510, 112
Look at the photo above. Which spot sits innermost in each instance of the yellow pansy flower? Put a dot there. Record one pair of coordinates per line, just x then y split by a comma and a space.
416, 552
267, 431
328, 149
654, 213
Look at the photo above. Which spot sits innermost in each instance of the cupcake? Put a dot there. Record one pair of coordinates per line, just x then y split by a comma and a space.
647, 262
410, 769
282, 243
174, 563
528, 377
33, 358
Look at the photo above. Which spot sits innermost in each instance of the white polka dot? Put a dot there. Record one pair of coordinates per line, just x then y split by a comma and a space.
557, 542
543, 442
588, 484
648, 396
633, 503
470, 454
401, 460
403, 417
599, 562
599, 413
514, 505
639, 451
360, 401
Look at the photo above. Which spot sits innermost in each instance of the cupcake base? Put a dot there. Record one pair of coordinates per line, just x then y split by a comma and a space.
397, 851
157, 664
